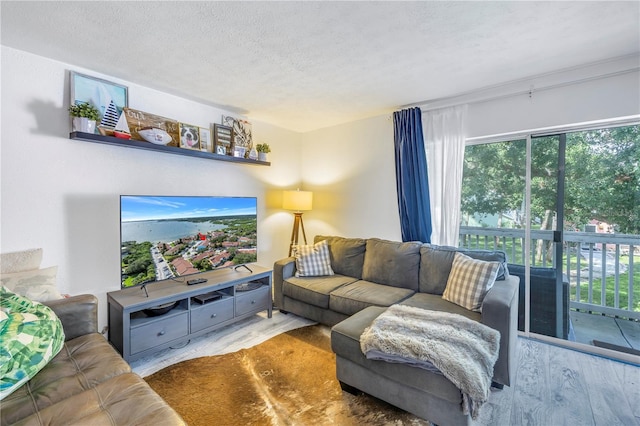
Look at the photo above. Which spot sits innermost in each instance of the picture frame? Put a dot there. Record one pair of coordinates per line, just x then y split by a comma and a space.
205, 140
189, 136
242, 131
239, 151
108, 97
223, 139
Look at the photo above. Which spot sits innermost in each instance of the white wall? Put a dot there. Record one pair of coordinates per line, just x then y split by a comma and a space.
599, 99
63, 195
351, 169
595, 91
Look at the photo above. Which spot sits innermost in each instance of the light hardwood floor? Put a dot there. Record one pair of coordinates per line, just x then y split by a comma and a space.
553, 385
559, 386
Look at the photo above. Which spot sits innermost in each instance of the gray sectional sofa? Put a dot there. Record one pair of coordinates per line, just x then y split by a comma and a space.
372, 274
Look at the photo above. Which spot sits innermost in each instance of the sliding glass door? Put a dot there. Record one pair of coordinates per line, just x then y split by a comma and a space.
583, 218
602, 237
548, 289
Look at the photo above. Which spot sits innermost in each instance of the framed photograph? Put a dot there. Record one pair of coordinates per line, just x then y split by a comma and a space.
189, 136
110, 98
242, 133
239, 151
223, 139
205, 140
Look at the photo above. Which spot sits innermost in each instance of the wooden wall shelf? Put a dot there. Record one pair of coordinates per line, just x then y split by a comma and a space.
128, 143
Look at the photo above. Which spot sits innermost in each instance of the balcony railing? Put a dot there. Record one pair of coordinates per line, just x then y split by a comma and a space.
603, 269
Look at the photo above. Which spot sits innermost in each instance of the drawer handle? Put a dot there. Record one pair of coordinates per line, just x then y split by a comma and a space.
161, 333
214, 315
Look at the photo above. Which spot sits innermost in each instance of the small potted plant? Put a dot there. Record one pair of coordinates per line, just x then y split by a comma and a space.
84, 117
263, 149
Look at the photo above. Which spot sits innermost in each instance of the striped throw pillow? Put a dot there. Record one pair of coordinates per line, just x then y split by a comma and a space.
313, 261
469, 281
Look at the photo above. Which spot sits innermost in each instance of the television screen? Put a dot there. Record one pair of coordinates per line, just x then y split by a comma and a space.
165, 237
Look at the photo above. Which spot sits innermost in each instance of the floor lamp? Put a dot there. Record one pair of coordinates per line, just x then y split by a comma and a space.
297, 201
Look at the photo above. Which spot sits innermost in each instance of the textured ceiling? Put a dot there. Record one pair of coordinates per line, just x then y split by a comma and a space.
307, 65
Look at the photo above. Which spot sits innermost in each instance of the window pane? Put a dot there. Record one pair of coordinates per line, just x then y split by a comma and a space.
493, 186
603, 180
602, 219
544, 198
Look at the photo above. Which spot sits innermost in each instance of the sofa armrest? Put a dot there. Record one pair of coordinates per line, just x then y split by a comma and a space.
282, 269
500, 312
79, 314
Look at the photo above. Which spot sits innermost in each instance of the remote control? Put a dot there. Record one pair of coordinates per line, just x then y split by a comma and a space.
196, 281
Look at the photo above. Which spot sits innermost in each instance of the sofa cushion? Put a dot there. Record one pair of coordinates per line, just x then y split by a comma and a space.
19, 261
313, 261
435, 302
314, 290
36, 284
356, 296
490, 256
345, 342
392, 263
469, 281
82, 363
31, 336
436, 261
347, 254
122, 400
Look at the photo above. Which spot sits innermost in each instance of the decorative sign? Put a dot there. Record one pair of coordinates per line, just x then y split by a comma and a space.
137, 120
242, 132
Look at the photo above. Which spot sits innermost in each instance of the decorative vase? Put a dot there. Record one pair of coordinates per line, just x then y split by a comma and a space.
253, 154
83, 124
263, 156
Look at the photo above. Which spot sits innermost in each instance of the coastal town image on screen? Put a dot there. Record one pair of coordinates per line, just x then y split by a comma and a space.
169, 237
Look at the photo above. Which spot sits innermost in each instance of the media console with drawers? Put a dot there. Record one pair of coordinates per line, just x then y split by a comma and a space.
139, 325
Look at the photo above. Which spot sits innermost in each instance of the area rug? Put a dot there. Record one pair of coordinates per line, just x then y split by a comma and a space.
287, 380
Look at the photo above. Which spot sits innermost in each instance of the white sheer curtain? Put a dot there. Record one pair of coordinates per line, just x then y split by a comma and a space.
444, 139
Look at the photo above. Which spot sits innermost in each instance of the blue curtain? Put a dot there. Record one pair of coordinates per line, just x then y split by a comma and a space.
411, 176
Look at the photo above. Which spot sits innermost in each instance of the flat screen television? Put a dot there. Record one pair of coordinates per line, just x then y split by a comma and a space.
166, 237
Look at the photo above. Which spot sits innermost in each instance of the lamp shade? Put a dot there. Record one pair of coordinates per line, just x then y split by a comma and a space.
297, 200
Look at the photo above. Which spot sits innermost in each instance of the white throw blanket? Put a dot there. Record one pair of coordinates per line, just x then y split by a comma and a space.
464, 350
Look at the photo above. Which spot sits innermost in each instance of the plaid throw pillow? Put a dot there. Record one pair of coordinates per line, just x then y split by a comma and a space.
469, 281
313, 261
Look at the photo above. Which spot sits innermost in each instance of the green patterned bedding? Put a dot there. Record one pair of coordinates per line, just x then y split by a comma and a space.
30, 335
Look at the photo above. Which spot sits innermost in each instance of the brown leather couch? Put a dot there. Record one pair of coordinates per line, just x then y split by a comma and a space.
87, 383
